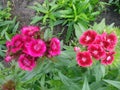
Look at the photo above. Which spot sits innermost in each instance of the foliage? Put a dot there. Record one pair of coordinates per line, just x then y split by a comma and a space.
67, 13
62, 72
5, 12
115, 3
8, 27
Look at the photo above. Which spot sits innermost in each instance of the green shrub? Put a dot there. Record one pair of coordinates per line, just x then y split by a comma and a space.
5, 12
8, 27
67, 13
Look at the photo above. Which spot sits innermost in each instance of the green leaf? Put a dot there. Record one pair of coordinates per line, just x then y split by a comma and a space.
85, 85
68, 82
4, 31
5, 23
102, 88
79, 29
2, 54
99, 27
7, 36
47, 34
99, 72
95, 13
69, 31
15, 28
45, 19
58, 22
39, 8
36, 19
96, 85
54, 7
2, 41
64, 12
113, 83
42, 81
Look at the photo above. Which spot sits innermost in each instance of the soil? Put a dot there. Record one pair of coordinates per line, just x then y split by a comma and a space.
21, 11
110, 16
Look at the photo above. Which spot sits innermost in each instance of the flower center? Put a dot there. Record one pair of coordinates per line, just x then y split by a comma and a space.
54, 46
108, 58
88, 38
37, 47
83, 59
95, 52
109, 40
26, 62
17, 43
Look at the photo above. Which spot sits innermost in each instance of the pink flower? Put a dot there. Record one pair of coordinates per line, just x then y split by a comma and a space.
96, 51
88, 37
99, 40
36, 48
26, 42
109, 41
8, 58
8, 44
108, 59
16, 43
76, 49
54, 48
29, 30
26, 62
84, 59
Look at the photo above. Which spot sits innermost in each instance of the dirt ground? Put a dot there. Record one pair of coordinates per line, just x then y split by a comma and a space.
110, 16
24, 14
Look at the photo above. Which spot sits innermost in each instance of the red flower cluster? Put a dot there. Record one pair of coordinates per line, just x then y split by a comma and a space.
99, 46
28, 46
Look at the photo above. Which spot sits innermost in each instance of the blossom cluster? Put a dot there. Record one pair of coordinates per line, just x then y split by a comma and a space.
28, 46
98, 46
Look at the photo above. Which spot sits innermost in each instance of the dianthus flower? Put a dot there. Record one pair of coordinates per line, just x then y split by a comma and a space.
16, 43
36, 48
84, 59
108, 59
88, 37
96, 51
54, 48
26, 62
29, 30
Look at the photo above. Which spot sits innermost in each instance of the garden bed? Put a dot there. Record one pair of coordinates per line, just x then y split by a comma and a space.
48, 46
24, 14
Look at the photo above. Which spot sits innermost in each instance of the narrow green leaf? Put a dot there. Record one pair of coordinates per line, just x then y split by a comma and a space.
99, 72
5, 23
85, 85
58, 22
47, 34
69, 31
2, 41
15, 28
7, 36
99, 27
95, 13
113, 83
36, 19
102, 88
68, 82
39, 8
3, 31
45, 19
79, 29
